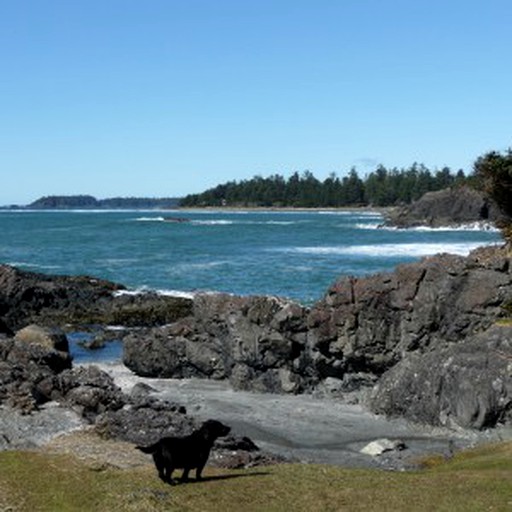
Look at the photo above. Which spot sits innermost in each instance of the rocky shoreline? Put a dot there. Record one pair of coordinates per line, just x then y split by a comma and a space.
430, 343
368, 335
448, 207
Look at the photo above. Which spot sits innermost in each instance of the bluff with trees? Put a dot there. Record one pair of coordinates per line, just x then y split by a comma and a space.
493, 173
383, 187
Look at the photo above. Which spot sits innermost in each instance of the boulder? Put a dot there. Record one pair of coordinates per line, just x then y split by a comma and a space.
42, 346
50, 339
468, 384
28, 361
88, 390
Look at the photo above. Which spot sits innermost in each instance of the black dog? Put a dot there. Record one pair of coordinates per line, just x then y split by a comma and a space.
189, 452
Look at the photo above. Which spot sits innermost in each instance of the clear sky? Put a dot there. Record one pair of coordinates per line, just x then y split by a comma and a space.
168, 97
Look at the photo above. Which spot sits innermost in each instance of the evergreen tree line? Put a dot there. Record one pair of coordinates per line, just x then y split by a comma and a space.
382, 187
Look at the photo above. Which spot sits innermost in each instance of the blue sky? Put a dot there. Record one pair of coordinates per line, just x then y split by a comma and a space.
167, 97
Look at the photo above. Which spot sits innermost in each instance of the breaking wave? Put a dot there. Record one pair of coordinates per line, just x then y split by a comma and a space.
390, 250
472, 226
142, 290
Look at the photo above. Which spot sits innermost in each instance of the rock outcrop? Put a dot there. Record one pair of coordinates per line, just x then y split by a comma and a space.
367, 325
362, 331
256, 342
27, 297
447, 207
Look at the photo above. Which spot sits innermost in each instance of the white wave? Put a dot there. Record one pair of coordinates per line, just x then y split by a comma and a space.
149, 219
176, 293
224, 222
391, 250
143, 289
369, 225
278, 222
473, 226
213, 222
32, 265
115, 328
137, 291
352, 213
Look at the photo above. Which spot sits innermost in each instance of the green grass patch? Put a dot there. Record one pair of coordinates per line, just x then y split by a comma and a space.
507, 307
472, 481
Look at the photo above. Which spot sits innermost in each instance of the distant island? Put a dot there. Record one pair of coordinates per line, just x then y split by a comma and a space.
87, 202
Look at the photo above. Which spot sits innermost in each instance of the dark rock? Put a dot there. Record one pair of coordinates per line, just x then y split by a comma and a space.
241, 459
468, 384
27, 363
257, 342
367, 325
88, 390
452, 206
232, 442
144, 425
236, 452
96, 343
27, 297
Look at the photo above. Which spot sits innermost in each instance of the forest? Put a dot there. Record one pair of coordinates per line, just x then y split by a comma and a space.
382, 187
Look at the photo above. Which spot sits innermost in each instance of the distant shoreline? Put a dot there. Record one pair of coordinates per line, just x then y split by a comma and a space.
379, 209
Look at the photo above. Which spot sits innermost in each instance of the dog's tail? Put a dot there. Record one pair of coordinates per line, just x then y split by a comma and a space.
148, 449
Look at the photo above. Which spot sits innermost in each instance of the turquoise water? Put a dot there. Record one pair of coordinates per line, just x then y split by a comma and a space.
291, 254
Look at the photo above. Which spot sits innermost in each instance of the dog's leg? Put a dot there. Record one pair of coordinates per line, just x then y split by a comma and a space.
169, 479
160, 465
199, 471
184, 476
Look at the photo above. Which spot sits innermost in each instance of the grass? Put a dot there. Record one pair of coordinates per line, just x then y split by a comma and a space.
472, 481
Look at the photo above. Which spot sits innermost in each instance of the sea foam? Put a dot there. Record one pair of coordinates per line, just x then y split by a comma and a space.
150, 219
472, 226
165, 293
390, 250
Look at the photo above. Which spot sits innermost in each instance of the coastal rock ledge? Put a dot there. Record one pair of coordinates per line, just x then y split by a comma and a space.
422, 341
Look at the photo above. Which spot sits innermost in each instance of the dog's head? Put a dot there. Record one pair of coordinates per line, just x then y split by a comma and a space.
212, 429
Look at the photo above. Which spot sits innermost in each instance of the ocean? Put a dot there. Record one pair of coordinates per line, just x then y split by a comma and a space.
294, 254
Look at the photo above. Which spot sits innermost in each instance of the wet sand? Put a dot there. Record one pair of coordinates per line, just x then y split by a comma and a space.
305, 428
